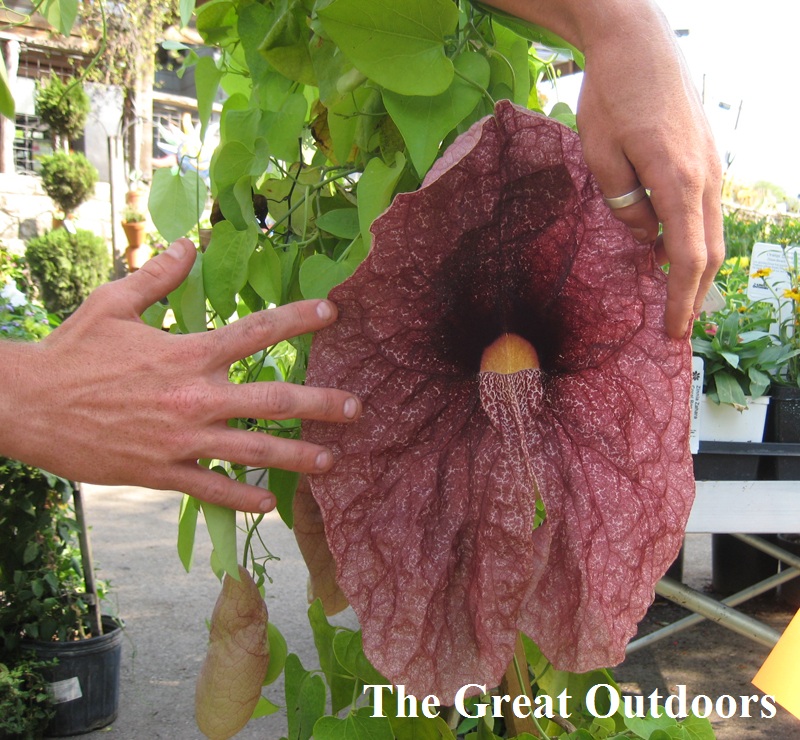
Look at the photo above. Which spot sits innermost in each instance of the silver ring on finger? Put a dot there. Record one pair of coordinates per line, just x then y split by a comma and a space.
628, 199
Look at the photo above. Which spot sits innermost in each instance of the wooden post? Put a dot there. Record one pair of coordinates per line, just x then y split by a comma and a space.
95, 620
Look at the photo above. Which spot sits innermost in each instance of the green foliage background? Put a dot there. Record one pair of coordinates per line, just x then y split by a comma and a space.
67, 267
41, 577
62, 105
332, 108
68, 178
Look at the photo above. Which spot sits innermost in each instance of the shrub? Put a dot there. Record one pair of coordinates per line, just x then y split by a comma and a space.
68, 178
26, 705
42, 592
786, 232
68, 267
741, 232
22, 315
63, 106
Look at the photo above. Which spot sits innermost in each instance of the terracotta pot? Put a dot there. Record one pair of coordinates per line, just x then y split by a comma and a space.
133, 199
136, 257
134, 232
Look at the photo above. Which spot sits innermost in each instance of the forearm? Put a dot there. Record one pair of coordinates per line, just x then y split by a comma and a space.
585, 22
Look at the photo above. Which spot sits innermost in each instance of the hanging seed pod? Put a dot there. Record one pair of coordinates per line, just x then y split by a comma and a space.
229, 684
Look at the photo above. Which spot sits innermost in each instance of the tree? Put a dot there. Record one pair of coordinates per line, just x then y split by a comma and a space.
64, 106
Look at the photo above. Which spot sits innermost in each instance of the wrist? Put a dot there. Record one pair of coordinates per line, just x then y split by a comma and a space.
19, 418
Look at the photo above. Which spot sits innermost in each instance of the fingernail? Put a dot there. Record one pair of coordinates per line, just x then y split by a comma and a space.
176, 250
324, 310
350, 408
267, 504
323, 460
641, 235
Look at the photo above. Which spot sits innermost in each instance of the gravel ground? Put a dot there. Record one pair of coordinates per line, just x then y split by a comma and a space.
165, 611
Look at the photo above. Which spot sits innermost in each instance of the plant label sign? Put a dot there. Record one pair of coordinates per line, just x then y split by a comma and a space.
769, 271
713, 300
771, 266
66, 690
695, 394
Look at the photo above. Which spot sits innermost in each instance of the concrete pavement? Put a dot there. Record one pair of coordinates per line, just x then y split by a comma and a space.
165, 610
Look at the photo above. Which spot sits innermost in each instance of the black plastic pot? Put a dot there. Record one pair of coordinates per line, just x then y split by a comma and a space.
725, 466
783, 425
734, 564
85, 681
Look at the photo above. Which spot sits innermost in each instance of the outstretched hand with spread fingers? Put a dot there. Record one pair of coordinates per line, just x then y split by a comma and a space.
108, 399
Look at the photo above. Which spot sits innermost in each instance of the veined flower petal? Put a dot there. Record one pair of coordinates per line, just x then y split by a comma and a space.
429, 508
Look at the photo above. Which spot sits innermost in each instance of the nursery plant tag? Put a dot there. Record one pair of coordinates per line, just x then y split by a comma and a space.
769, 276
695, 394
66, 690
713, 300
779, 676
769, 271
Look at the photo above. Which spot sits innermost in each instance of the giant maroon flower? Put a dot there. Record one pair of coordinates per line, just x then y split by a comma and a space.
506, 337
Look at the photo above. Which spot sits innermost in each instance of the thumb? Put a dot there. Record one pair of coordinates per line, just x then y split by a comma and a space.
159, 276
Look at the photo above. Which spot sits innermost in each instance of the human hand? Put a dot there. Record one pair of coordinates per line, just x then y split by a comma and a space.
114, 401
641, 121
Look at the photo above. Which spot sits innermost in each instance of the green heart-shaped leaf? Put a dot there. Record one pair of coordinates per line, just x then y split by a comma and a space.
319, 273
176, 201
225, 265
425, 121
397, 43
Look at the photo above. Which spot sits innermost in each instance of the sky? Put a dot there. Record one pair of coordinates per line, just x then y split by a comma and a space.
745, 53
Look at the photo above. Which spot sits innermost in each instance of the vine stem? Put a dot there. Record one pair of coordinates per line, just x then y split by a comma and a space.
514, 684
474, 84
494, 53
313, 188
250, 532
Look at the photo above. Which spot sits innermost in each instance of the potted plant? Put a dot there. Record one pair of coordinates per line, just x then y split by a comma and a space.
135, 192
26, 705
784, 425
69, 180
50, 625
67, 267
740, 356
49, 599
134, 226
